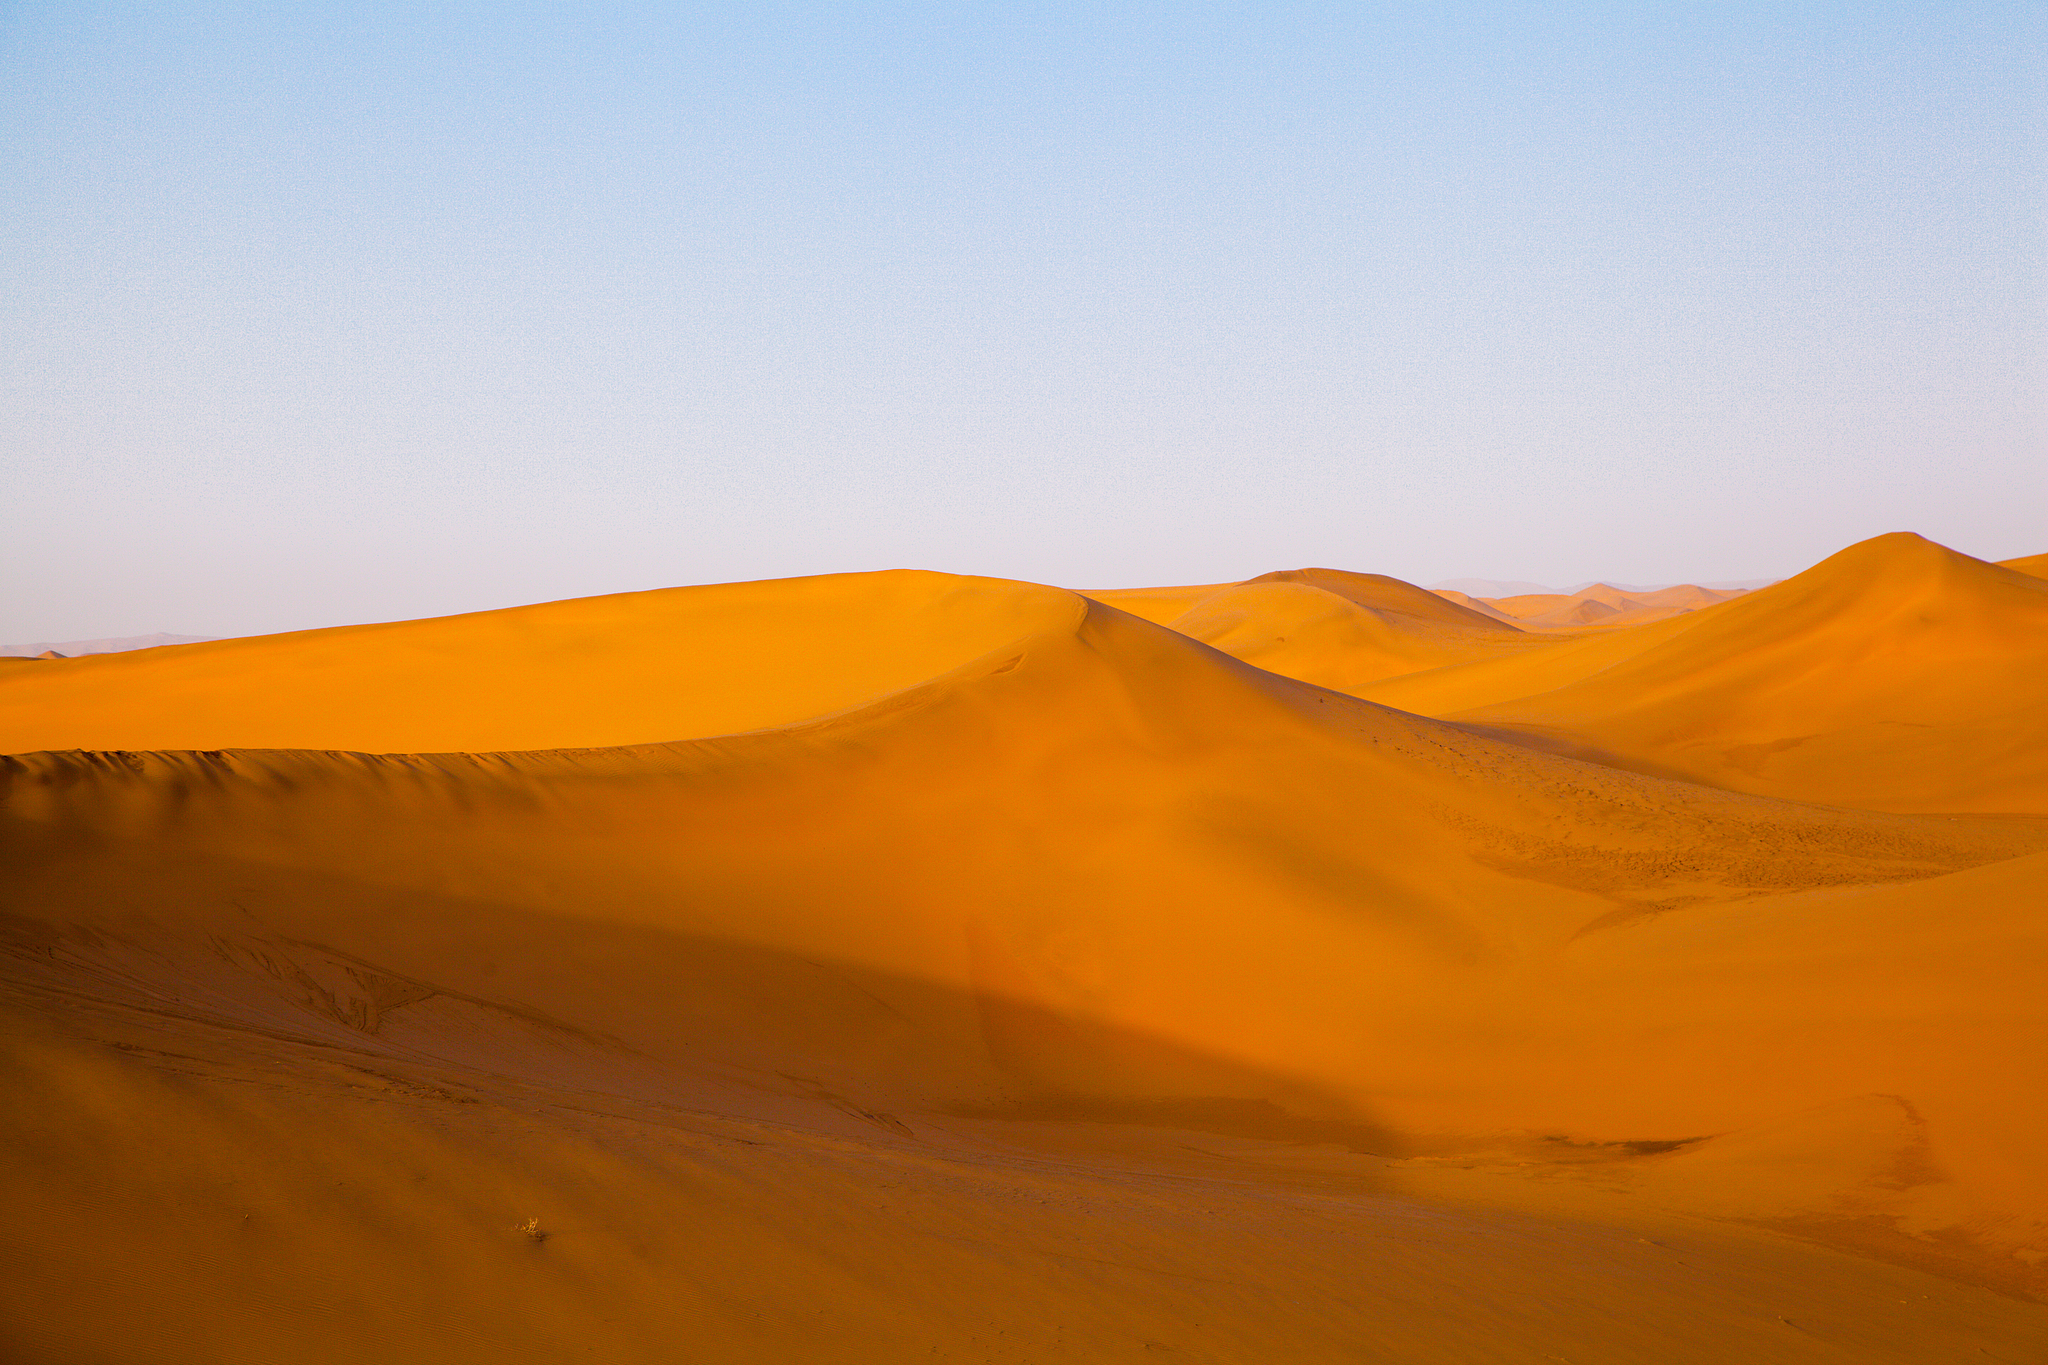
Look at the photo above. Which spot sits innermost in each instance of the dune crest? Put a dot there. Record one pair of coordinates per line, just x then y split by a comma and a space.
632, 668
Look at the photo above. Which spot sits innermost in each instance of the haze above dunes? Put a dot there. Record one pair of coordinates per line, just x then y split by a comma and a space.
72, 649
903, 965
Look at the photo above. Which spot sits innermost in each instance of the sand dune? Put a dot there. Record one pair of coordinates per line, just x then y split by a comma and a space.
1598, 605
1554, 610
1349, 631
1327, 626
1484, 606
2037, 565
1354, 632
1686, 595
902, 966
1897, 675
1531, 604
625, 669
1344, 630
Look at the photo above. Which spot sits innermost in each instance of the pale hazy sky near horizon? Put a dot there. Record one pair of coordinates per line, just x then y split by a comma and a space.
325, 313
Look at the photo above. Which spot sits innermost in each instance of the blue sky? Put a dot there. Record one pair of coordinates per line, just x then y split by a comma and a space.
314, 314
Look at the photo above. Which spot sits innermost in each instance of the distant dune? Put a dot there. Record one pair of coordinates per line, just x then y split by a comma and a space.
2037, 565
1351, 631
1490, 587
1326, 626
889, 966
72, 649
1596, 605
1638, 589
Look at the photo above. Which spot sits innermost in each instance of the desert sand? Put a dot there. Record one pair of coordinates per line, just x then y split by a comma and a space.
2037, 565
904, 966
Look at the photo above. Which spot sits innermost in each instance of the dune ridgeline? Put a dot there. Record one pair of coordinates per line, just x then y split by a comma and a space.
903, 966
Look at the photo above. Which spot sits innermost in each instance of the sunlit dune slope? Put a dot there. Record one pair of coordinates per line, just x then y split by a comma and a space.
626, 669
1344, 630
1390, 596
1351, 631
1568, 657
1096, 868
1328, 626
2037, 565
1896, 675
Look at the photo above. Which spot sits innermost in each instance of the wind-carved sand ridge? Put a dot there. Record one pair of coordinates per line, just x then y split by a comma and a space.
906, 966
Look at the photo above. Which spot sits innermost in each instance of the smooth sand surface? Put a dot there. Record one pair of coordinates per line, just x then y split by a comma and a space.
598, 671
1342, 630
1897, 675
901, 966
2037, 565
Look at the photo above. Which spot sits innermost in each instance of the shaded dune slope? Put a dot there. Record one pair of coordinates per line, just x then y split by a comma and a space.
225, 1194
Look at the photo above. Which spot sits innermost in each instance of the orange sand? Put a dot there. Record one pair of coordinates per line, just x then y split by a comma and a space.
2037, 565
901, 966
1598, 605
1897, 675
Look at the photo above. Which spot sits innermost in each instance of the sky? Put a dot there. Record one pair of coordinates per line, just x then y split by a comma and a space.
316, 314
